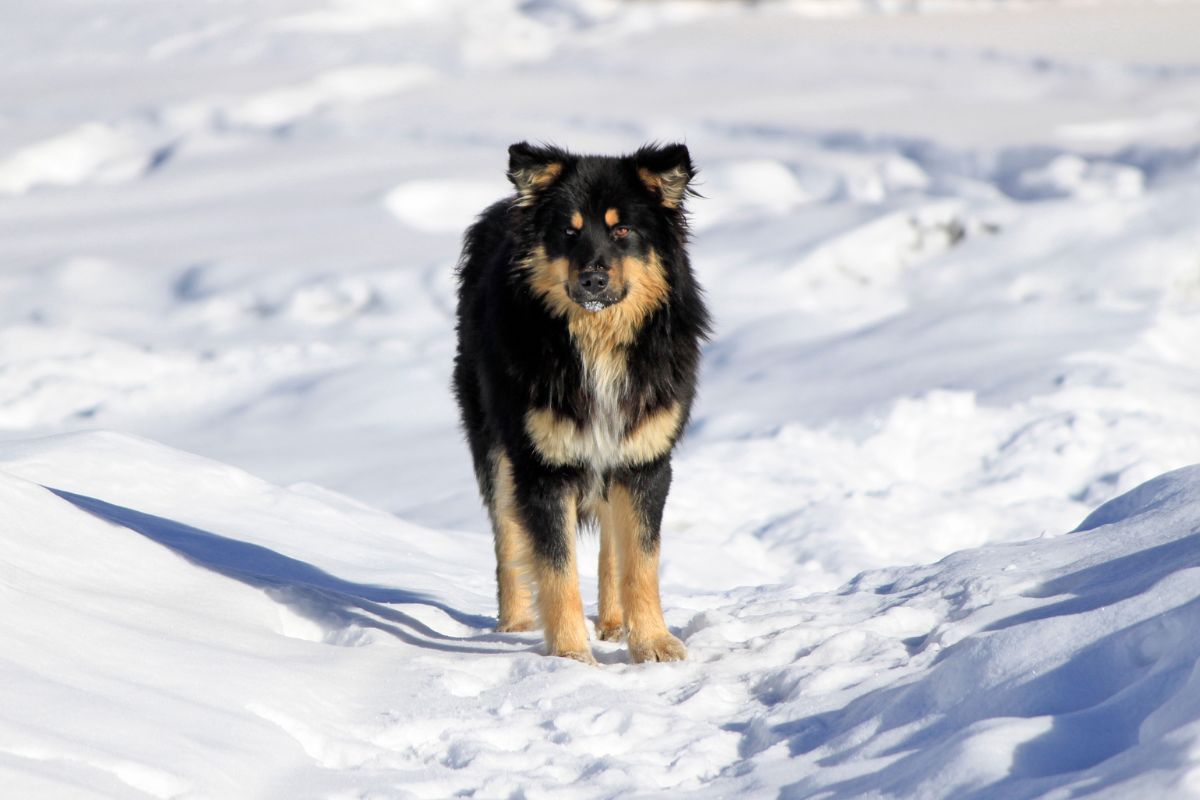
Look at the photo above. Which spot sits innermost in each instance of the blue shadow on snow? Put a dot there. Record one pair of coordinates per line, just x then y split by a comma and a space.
331, 602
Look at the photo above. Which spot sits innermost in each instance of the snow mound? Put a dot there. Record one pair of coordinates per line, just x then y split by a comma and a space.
443, 206
94, 151
1061, 663
136, 145
1072, 176
292, 639
287, 105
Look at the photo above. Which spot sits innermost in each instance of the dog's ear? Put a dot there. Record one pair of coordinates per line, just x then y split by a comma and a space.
534, 169
666, 171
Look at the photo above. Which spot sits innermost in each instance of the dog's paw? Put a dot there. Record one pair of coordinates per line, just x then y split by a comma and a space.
610, 632
517, 626
585, 656
663, 647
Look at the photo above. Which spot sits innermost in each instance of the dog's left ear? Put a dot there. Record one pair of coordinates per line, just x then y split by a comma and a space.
533, 169
666, 171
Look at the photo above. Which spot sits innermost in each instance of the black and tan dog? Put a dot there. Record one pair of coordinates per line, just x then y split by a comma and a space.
579, 332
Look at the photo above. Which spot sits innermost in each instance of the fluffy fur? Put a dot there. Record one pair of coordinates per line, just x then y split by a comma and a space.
579, 333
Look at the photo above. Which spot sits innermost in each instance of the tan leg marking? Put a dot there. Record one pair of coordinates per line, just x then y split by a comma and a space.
512, 554
558, 439
652, 436
645, 627
559, 602
610, 625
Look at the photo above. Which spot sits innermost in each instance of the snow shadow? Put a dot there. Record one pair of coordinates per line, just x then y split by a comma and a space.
1101, 701
1155, 494
331, 602
1110, 581
1097, 704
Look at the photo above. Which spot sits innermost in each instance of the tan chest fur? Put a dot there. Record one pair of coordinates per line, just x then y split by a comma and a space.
607, 439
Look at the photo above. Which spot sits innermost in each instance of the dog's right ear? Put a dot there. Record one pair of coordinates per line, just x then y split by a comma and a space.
534, 169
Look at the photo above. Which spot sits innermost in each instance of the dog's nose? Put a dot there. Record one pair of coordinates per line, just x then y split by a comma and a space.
593, 280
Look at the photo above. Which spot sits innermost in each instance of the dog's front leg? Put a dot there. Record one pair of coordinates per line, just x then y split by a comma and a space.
610, 625
636, 503
548, 504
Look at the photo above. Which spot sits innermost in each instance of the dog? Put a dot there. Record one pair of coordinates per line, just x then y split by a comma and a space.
580, 326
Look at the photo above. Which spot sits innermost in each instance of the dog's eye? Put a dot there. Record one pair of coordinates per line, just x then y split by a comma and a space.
569, 232
620, 232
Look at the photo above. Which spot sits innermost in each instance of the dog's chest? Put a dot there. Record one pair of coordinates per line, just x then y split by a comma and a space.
595, 439
604, 429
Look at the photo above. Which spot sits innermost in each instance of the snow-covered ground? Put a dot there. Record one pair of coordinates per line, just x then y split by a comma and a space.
933, 532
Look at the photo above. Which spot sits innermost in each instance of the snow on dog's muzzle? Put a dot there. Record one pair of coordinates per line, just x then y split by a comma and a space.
593, 289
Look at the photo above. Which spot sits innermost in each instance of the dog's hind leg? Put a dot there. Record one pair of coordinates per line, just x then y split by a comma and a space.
610, 624
636, 507
512, 554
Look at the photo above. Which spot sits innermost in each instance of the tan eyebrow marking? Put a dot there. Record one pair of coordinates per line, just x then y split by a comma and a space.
611, 217
577, 221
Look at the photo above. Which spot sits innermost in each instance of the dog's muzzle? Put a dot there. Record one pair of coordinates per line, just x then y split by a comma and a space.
593, 290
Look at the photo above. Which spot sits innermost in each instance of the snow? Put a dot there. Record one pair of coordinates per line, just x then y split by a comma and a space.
933, 530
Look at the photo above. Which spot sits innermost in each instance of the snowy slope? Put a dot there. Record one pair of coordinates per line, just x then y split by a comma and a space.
170, 617
955, 265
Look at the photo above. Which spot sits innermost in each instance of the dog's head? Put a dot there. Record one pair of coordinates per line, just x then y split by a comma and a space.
600, 225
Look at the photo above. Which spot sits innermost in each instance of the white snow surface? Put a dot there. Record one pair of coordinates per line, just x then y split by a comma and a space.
954, 262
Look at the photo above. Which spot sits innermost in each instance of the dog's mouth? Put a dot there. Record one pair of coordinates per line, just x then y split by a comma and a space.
594, 303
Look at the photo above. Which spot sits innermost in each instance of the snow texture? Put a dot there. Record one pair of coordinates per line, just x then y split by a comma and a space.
933, 532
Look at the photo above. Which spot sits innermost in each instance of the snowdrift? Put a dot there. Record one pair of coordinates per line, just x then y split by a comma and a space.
174, 627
